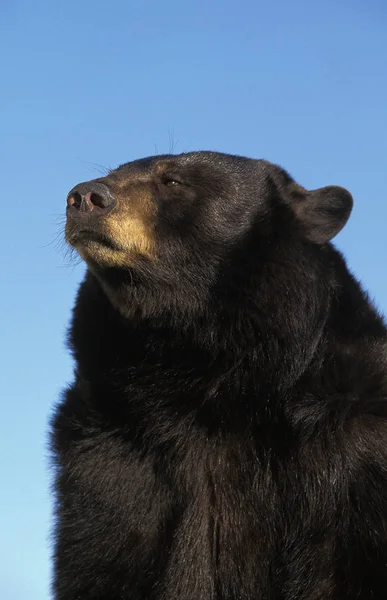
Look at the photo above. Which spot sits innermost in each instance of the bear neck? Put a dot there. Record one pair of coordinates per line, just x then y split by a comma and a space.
232, 357
234, 343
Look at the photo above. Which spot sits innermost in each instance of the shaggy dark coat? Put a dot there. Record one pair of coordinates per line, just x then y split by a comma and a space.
225, 437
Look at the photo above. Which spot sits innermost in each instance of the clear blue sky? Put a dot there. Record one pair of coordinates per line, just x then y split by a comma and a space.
301, 83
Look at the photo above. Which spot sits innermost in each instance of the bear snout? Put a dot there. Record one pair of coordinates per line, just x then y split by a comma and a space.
89, 199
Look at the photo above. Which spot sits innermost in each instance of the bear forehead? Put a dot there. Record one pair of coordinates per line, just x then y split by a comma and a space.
217, 160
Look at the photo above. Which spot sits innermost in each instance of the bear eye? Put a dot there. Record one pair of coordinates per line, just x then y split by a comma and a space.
171, 181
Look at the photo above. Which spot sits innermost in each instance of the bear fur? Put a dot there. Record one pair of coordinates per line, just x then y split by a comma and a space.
225, 436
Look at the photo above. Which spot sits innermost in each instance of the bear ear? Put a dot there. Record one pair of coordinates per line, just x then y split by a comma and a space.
323, 212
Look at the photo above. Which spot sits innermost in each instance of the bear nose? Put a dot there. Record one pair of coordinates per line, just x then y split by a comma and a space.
91, 197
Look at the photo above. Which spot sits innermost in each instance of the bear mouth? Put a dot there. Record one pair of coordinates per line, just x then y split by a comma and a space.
88, 237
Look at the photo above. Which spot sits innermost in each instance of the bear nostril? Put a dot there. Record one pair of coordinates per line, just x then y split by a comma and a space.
98, 200
74, 200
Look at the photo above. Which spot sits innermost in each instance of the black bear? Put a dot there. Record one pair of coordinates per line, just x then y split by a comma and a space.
225, 437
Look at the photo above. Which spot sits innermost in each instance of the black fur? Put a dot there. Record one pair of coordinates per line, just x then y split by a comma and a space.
225, 437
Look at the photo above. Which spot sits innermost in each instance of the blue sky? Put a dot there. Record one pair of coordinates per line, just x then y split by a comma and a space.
83, 84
